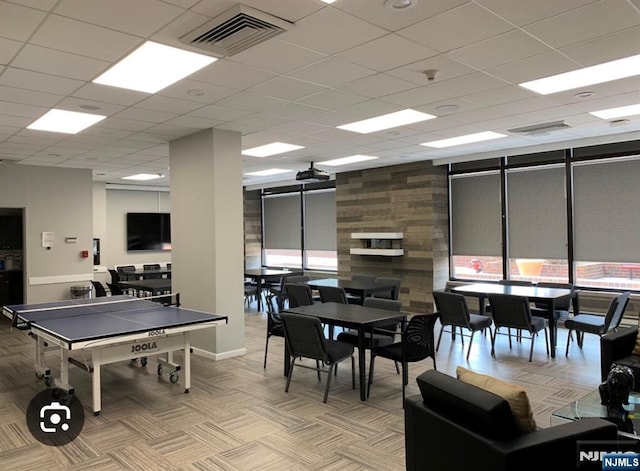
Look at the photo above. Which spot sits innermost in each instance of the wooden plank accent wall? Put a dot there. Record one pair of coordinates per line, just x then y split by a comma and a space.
252, 229
409, 198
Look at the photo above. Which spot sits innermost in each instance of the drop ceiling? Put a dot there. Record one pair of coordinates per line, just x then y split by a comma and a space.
338, 63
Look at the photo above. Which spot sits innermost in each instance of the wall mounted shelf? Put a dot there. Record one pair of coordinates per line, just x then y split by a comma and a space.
386, 244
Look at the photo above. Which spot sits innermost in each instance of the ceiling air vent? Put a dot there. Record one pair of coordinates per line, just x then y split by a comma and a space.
235, 30
542, 128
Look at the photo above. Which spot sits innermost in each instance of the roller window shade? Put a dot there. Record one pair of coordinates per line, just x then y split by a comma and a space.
475, 215
607, 211
282, 221
320, 220
537, 215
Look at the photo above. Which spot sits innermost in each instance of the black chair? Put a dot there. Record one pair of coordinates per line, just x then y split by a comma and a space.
298, 294
416, 344
561, 307
151, 267
391, 294
115, 289
305, 339
385, 334
597, 324
99, 289
274, 323
115, 276
332, 294
514, 312
454, 312
250, 293
356, 299
124, 271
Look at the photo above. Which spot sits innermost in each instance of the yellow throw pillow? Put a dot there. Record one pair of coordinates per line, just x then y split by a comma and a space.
515, 395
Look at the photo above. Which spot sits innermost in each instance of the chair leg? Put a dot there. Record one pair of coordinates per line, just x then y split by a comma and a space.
293, 363
266, 347
462, 337
353, 372
493, 341
397, 367
566, 352
580, 338
326, 388
533, 338
318, 370
546, 340
373, 358
470, 343
439, 338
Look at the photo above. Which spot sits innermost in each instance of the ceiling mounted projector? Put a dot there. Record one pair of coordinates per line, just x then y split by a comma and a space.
312, 174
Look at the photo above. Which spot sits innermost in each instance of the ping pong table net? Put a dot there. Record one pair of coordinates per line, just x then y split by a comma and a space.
24, 316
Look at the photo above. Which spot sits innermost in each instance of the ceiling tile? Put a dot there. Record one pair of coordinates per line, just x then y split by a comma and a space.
332, 72
30, 97
62, 64
30, 80
225, 73
168, 104
523, 12
378, 85
250, 102
18, 22
277, 56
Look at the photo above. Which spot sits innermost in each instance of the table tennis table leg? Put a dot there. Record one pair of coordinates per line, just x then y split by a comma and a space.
187, 362
42, 371
95, 381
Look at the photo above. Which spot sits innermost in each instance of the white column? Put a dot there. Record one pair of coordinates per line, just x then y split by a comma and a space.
207, 235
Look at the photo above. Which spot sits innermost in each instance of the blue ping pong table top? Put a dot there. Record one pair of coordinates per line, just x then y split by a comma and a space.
100, 320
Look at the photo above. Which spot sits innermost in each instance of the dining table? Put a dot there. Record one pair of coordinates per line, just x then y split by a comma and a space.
543, 295
351, 316
360, 288
155, 286
260, 275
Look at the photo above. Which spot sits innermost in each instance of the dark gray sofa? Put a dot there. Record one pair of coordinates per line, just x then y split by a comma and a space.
617, 347
457, 426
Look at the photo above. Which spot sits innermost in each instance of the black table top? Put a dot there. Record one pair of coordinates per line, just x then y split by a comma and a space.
347, 314
533, 292
369, 286
262, 272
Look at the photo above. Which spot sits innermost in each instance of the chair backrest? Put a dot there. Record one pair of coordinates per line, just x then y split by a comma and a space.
298, 294
126, 268
333, 294
510, 311
273, 316
115, 276
393, 293
151, 266
615, 312
98, 289
381, 303
418, 336
115, 289
452, 308
563, 305
296, 279
304, 336
363, 277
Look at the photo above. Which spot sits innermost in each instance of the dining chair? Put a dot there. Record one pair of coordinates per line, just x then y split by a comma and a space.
392, 293
124, 270
332, 294
562, 307
597, 324
274, 322
385, 334
115, 289
298, 294
305, 339
514, 312
152, 266
98, 289
416, 344
454, 313
354, 298
115, 276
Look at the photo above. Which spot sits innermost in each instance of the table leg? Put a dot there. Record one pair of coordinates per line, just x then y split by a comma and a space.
553, 328
361, 364
287, 359
187, 362
95, 381
259, 293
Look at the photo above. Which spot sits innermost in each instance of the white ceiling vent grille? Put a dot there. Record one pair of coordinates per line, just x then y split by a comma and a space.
235, 30
542, 128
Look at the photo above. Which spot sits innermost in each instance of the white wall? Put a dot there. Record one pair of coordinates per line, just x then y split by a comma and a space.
55, 200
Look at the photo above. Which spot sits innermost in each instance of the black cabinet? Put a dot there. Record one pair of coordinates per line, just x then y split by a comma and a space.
11, 232
11, 288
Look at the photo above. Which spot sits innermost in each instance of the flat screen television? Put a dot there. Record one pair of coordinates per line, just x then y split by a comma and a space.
148, 231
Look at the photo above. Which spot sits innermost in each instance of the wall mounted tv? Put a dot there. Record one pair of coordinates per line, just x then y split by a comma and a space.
148, 231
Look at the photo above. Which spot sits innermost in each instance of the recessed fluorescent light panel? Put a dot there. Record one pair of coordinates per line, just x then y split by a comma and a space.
348, 160
387, 121
620, 112
152, 67
271, 149
329, 2
614, 70
468, 139
144, 176
68, 122
268, 172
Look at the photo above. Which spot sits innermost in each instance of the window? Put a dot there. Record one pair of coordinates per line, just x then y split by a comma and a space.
299, 229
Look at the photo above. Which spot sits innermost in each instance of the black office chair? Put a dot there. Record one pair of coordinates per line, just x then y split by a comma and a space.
151, 267
416, 344
597, 324
115, 289
514, 312
115, 276
454, 312
125, 270
305, 339
274, 323
98, 289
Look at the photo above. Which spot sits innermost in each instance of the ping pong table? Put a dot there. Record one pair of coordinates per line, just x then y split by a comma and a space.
112, 329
